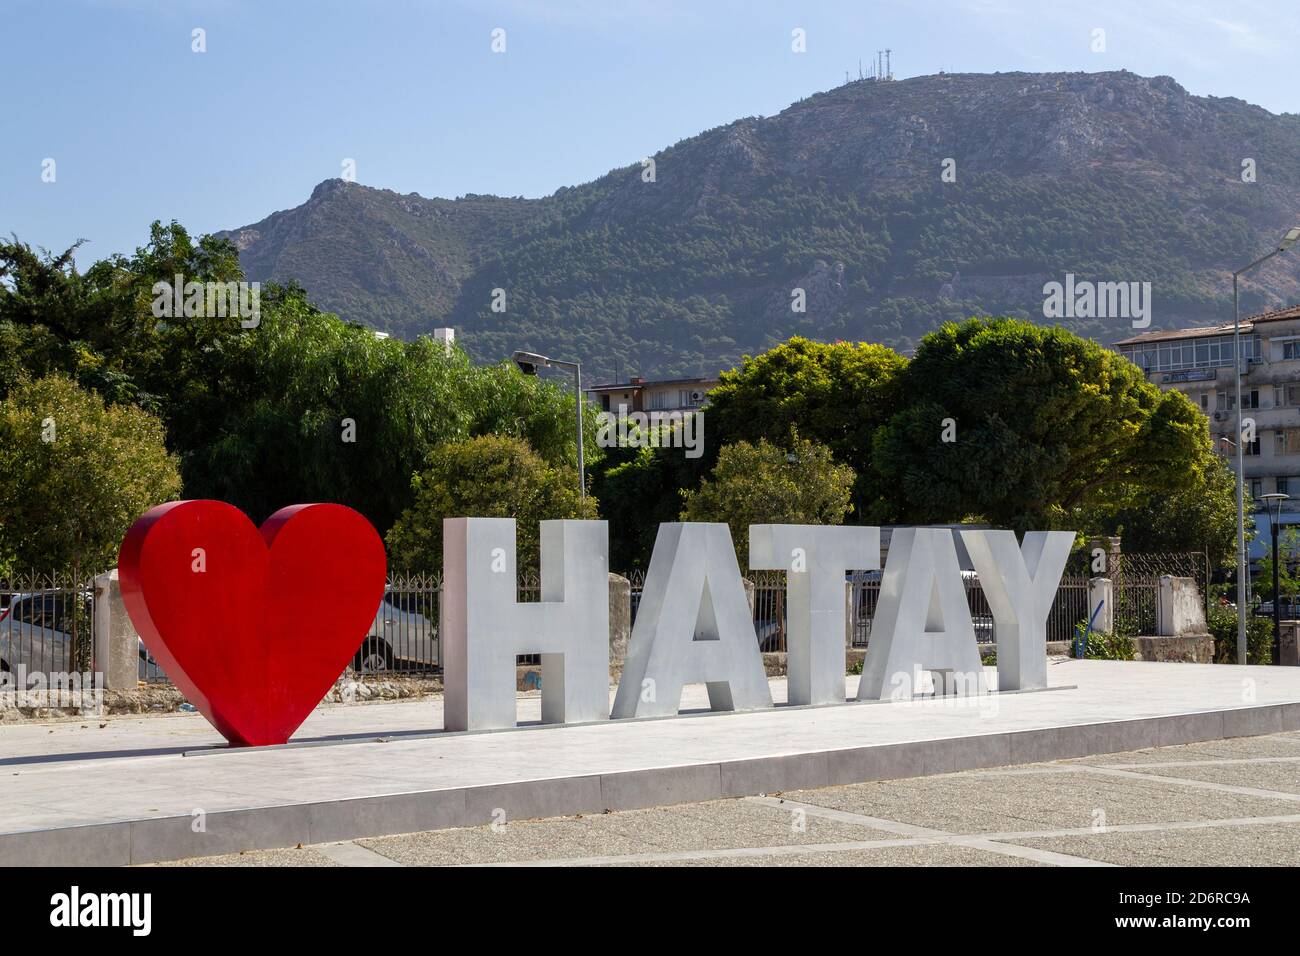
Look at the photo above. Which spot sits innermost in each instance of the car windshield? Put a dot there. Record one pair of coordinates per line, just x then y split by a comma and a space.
38, 610
45, 610
403, 602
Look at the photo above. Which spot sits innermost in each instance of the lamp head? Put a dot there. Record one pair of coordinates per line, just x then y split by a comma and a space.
1273, 504
530, 362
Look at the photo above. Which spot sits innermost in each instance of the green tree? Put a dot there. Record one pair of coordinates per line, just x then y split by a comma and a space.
504, 401
836, 395
1028, 427
305, 407
764, 484
640, 486
1202, 516
75, 474
486, 477
308, 407
301, 407
98, 325
1288, 573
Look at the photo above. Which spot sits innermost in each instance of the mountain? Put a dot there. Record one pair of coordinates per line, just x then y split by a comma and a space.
1107, 176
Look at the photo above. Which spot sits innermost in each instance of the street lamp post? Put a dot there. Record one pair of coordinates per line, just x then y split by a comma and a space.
1274, 505
1287, 242
529, 363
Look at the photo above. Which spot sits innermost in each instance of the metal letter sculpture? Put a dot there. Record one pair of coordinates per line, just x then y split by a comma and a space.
485, 627
922, 622
254, 628
815, 559
693, 626
1020, 583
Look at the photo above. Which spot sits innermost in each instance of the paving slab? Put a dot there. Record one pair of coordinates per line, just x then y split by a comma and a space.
135, 791
1203, 846
1281, 775
977, 803
715, 825
882, 856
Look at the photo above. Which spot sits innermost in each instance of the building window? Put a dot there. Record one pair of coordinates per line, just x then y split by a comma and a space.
1285, 483
1251, 447
1288, 441
1227, 401
1212, 352
1256, 487
1291, 350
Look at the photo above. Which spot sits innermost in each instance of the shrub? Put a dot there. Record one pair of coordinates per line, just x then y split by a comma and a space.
1222, 622
1101, 646
486, 477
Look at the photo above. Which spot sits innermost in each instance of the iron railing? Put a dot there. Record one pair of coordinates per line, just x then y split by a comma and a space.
37, 614
1135, 599
403, 638
47, 624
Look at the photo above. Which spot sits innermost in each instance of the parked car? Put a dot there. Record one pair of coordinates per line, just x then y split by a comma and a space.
770, 634
400, 634
1289, 609
36, 633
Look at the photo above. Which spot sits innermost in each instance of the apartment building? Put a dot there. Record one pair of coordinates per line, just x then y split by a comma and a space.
1198, 362
639, 395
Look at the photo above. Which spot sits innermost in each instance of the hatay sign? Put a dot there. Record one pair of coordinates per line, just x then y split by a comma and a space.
255, 627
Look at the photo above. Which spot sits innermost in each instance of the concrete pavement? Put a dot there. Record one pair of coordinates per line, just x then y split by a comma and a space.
1224, 803
127, 793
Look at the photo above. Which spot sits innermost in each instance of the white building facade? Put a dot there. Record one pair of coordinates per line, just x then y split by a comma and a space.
1198, 362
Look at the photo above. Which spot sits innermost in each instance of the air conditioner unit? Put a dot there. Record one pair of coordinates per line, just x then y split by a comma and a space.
697, 397
1219, 416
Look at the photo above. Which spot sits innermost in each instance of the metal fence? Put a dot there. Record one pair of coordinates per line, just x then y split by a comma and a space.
1136, 604
864, 594
46, 624
1069, 607
47, 621
404, 636
1141, 566
42, 630
1135, 597
637, 580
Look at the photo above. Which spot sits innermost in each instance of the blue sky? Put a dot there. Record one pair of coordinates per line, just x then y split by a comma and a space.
141, 127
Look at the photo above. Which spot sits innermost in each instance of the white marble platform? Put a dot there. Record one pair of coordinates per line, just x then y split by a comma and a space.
129, 792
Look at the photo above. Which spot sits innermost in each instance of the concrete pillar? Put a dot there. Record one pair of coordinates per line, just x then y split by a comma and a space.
1110, 546
1289, 643
620, 620
117, 645
1179, 609
1101, 592
1165, 607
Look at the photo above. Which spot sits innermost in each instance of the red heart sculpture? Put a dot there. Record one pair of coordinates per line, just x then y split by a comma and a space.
252, 628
